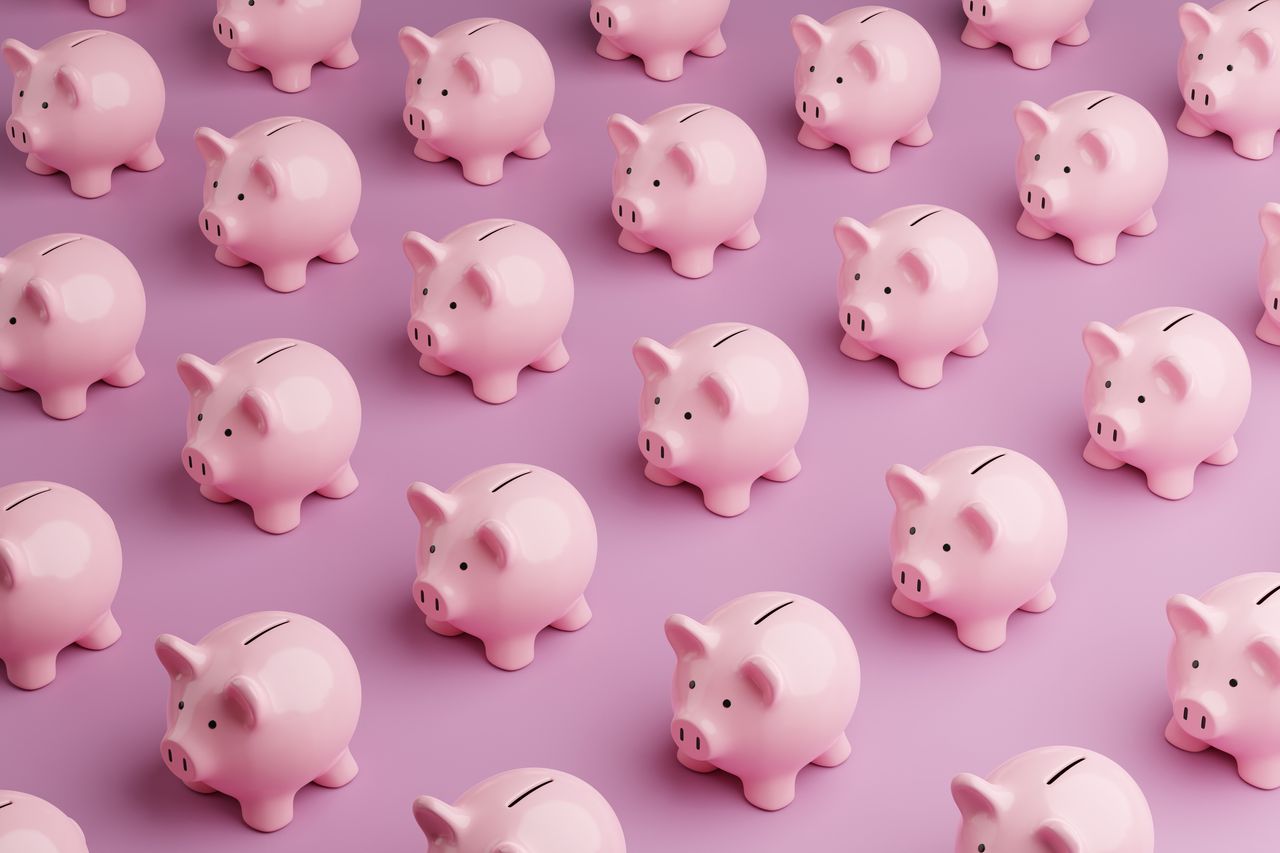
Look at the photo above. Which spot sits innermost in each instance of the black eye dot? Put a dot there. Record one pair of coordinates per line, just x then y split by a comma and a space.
839, 79
888, 290
13, 321
250, 3
463, 565
912, 531
44, 105
1067, 169
1106, 384
419, 81
1234, 683
1231, 68
227, 432
453, 306
1200, 57
431, 550
200, 416
628, 170
688, 416
215, 185
857, 276
657, 183
657, 400
21, 93
181, 705
946, 546
213, 724
1195, 664
982, 848
444, 92
424, 291
726, 703
1037, 158
240, 196
812, 68
692, 684
1142, 399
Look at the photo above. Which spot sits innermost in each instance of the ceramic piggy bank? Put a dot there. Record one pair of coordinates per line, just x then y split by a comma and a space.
1269, 275
489, 300
31, 825
1028, 27
1165, 391
864, 80
532, 810
1090, 168
271, 423
84, 104
1229, 73
660, 32
720, 408
763, 688
686, 181
71, 312
507, 551
976, 535
287, 37
262, 706
914, 285
277, 194
477, 91
59, 570
1057, 798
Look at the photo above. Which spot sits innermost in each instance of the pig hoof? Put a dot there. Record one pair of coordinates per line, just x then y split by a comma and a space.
609, 50
556, 358
810, 138
1255, 147
664, 68
1266, 331
213, 493
1190, 124
694, 764
836, 754
423, 151
511, 655
985, 637
853, 349
495, 389
1177, 736
577, 617
1041, 601
129, 373
482, 174
343, 57
1078, 35
920, 375
657, 475
65, 405
632, 243
237, 61
102, 635
1226, 454
693, 265
278, 519
268, 816
1029, 227
149, 159
226, 257
745, 238
35, 164
907, 607
785, 470
1260, 774
973, 37
444, 629
728, 502
537, 147
770, 795
1171, 485
94, 185
342, 772
341, 486
1033, 57
434, 366
343, 251
7, 384
32, 674
713, 45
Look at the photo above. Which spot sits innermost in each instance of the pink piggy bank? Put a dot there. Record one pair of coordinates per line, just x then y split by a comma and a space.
83, 104
262, 706
532, 810
1057, 798
277, 194
489, 300
687, 180
976, 535
59, 570
287, 37
1090, 167
720, 408
507, 551
1028, 27
763, 688
271, 423
30, 824
864, 80
660, 32
1165, 391
914, 285
1229, 73
1224, 674
477, 91
75, 309
1269, 275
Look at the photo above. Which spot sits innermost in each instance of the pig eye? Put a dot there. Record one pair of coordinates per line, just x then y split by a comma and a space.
424, 291
431, 550
726, 703
688, 416
1037, 158
419, 81
13, 321
857, 276
946, 546
982, 848
1106, 384
215, 185
657, 183
1200, 57
227, 432
1195, 664
453, 306
1234, 683
812, 68
1230, 68
462, 565
839, 79
692, 684
44, 105
200, 416
240, 196
21, 93
912, 531
1066, 169
1141, 399
181, 705
213, 724
444, 92
250, 3
657, 400
628, 170
888, 290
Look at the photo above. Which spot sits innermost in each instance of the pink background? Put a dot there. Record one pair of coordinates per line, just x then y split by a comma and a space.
437, 718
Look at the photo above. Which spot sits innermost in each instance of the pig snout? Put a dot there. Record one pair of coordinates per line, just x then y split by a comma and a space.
425, 337
1201, 716
608, 18
814, 109
982, 11
1203, 97
423, 122
178, 760
1038, 199
691, 739
862, 321
430, 600
197, 465
215, 227
230, 33
1113, 430
634, 214
917, 582
660, 447
21, 134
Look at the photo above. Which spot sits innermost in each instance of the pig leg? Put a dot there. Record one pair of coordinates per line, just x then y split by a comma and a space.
609, 50
1029, 226
128, 373
237, 61
632, 243
770, 794
291, 78
923, 373
920, 135
974, 37
213, 493
269, 813
1224, 455
35, 164
344, 250
728, 500
1255, 146
578, 616
510, 653
1100, 458
65, 403
494, 387
278, 517
149, 159
855, 350
785, 470
836, 754
810, 138
554, 358
101, 635
1177, 736
1173, 485
343, 56
285, 277
663, 478
340, 486
226, 257
1144, 226
976, 345
664, 66
441, 627
907, 607
694, 764
1261, 773
1266, 331
106, 8
483, 170
1033, 56
694, 263
34, 672
198, 787
872, 157
984, 636
1041, 601
7, 384
423, 151
747, 237
1078, 35
342, 771
90, 183
1192, 125
536, 147
1096, 249
433, 365
712, 45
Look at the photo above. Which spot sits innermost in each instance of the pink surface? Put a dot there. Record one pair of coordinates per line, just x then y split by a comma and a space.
436, 717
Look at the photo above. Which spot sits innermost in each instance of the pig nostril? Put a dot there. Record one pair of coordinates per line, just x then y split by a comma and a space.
415, 334
219, 29
437, 605
1206, 99
682, 733
206, 225
646, 444
171, 756
848, 319
804, 106
1042, 201
1185, 712
817, 111
697, 743
1115, 435
619, 211
202, 471
219, 228
597, 17
190, 464
862, 326
1193, 94
633, 216
1203, 722
422, 123
24, 137
609, 23
184, 765
902, 578
1099, 427
231, 33
1028, 196
662, 452
1275, 304
428, 340
918, 589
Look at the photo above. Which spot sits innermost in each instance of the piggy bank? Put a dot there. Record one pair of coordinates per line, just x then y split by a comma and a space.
720, 408
660, 32
477, 91
30, 824
531, 810
1224, 674
75, 309
271, 423
107, 8
259, 708
1090, 168
287, 37
1057, 798
687, 180
976, 535
59, 570
505, 552
1269, 275
489, 300
1229, 73
864, 80
763, 688
83, 104
914, 285
1165, 391
1028, 27
277, 194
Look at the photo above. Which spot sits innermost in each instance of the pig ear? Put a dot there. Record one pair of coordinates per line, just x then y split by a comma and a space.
1059, 836
1098, 147
689, 637
1104, 343
422, 251
42, 296
500, 541
722, 390
475, 70
1175, 375
486, 282
261, 408
689, 161
180, 658
654, 360
868, 58
1264, 653
1190, 615
1263, 45
270, 173
18, 56
976, 796
416, 45
213, 146
626, 134
919, 266
249, 699
808, 33
1033, 120
983, 522
854, 238
440, 822
12, 565
1196, 21
1269, 217
765, 676
4, 265
197, 374
430, 504
908, 486
71, 83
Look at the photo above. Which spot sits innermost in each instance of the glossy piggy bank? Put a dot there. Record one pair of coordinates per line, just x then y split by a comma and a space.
976, 535
864, 80
1229, 73
84, 104
262, 706
1269, 275
477, 91
31, 825
287, 37
763, 688
1059, 799
489, 300
71, 312
720, 408
277, 194
659, 32
1028, 27
269, 424
1165, 391
687, 180
59, 570
505, 552
531, 810
915, 285
1090, 168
